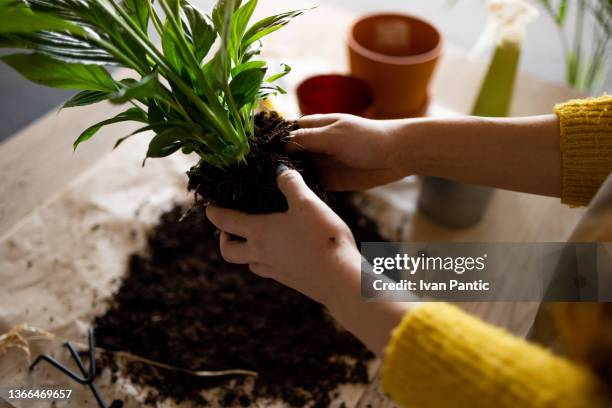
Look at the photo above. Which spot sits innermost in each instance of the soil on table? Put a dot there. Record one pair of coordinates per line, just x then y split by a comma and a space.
251, 187
181, 304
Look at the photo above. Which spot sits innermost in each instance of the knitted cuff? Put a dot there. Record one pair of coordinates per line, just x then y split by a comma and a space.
586, 147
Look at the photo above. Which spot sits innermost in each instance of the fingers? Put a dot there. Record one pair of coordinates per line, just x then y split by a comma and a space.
233, 251
312, 134
311, 139
232, 221
317, 120
292, 185
240, 252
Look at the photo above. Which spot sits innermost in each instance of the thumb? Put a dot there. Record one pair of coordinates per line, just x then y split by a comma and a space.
292, 185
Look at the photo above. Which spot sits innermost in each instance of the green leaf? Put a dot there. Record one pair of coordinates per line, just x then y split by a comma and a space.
251, 51
188, 149
44, 70
19, 19
101, 21
155, 115
170, 48
132, 114
222, 10
152, 126
137, 131
139, 11
260, 34
210, 106
247, 65
286, 70
86, 98
245, 86
222, 18
214, 71
268, 88
268, 25
167, 142
60, 46
202, 34
239, 23
159, 125
242, 16
175, 6
146, 87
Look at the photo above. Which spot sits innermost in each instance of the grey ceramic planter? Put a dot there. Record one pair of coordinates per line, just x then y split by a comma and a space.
453, 204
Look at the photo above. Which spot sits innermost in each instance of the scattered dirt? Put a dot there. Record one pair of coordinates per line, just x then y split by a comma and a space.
181, 304
251, 187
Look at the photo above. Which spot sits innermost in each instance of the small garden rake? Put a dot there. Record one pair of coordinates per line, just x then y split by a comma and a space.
87, 377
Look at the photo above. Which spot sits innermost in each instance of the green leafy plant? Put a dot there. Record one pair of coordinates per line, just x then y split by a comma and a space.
585, 68
193, 98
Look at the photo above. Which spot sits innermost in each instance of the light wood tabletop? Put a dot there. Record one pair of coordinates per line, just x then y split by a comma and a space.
37, 163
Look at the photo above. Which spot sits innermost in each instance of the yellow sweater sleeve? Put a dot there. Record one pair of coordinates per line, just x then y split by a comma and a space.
439, 356
586, 147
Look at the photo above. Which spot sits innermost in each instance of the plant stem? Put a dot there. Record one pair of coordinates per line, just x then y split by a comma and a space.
155, 18
127, 61
576, 74
200, 76
126, 23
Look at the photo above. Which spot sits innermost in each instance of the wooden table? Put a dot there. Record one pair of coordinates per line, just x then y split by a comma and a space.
37, 164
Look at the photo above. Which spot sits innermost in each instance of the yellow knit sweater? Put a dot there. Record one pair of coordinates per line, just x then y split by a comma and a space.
586, 147
439, 356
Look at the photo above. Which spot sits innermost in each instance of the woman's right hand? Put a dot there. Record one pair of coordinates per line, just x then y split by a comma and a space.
352, 153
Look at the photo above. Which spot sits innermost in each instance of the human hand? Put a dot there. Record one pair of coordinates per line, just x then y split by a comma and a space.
352, 153
308, 247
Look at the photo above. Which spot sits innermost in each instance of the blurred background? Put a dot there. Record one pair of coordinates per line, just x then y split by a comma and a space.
568, 44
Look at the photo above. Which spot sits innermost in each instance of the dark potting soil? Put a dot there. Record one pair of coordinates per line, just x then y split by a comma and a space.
181, 304
251, 187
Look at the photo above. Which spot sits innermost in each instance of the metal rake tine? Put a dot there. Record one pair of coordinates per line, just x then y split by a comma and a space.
92, 371
59, 366
92, 367
94, 391
75, 356
92, 357
92, 352
86, 380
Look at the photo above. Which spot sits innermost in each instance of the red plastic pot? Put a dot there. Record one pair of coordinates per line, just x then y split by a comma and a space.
396, 54
335, 94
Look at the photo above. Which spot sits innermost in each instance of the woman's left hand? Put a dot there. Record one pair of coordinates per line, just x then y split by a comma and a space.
308, 247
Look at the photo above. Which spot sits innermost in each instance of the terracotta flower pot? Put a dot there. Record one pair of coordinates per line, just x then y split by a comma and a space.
396, 54
335, 94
